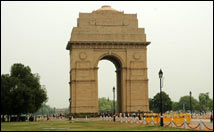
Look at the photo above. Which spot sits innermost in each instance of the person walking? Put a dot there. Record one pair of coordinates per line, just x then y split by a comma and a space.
211, 118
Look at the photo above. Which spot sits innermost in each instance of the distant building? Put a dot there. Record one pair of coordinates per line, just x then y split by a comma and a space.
58, 111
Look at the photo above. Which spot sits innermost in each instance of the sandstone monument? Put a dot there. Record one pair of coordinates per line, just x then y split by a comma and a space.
111, 35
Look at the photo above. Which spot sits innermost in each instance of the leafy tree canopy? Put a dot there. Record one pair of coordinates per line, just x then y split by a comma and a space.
21, 91
205, 102
155, 103
184, 102
106, 105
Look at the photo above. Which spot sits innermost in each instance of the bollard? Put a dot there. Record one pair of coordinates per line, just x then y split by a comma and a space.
135, 120
172, 125
152, 121
185, 124
86, 117
126, 120
201, 125
144, 120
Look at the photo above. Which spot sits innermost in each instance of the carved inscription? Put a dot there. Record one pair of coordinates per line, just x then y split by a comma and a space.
84, 64
83, 74
137, 72
137, 64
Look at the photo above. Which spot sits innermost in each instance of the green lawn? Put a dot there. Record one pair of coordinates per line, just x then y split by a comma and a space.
80, 126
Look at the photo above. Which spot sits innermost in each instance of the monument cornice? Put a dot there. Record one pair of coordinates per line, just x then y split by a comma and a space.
98, 44
139, 80
91, 80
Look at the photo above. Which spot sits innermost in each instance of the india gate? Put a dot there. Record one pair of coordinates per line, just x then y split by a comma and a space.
108, 34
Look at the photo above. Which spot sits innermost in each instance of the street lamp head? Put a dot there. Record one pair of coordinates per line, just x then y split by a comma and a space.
190, 93
113, 89
160, 74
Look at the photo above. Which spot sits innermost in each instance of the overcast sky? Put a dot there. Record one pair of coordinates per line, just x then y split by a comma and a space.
181, 36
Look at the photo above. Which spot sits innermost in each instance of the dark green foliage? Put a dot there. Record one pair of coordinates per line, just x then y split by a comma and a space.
175, 106
6, 94
21, 92
204, 103
185, 101
151, 104
155, 103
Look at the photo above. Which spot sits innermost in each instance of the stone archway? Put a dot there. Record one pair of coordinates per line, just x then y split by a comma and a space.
118, 65
108, 34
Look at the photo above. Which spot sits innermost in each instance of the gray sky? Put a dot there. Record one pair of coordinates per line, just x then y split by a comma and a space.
181, 35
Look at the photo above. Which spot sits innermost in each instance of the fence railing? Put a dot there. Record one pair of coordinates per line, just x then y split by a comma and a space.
186, 125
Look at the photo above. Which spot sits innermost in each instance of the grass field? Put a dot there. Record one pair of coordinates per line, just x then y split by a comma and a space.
80, 125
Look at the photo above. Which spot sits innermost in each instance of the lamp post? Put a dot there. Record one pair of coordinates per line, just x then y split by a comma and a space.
190, 93
161, 117
114, 104
69, 108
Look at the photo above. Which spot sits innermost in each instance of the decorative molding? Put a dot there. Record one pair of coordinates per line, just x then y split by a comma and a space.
111, 49
75, 69
137, 68
106, 44
83, 80
136, 56
142, 80
82, 55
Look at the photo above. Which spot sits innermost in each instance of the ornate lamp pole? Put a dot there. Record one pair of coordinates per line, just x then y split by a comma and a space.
190, 93
114, 103
161, 117
69, 108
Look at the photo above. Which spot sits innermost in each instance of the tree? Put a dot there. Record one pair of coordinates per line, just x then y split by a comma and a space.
45, 109
185, 102
21, 91
166, 103
106, 105
151, 104
6, 100
205, 102
175, 106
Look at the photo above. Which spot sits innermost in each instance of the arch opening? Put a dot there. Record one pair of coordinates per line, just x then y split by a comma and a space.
117, 80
